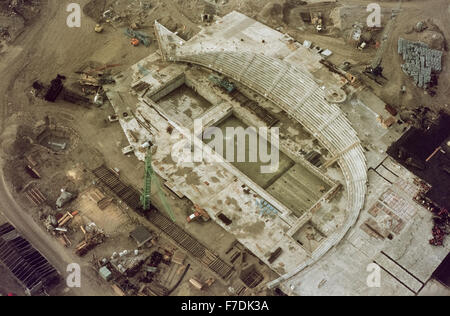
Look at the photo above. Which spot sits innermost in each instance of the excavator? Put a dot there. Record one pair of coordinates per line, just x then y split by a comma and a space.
198, 213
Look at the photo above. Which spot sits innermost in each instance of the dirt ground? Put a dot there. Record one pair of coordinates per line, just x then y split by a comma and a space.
39, 45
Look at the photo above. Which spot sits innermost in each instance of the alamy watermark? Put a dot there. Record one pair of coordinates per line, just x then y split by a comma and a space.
374, 278
374, 18
241, 145
74, 18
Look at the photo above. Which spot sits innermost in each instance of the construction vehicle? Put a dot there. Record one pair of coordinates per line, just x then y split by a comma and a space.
93, 237
98, 99
149, 179
223, 83
113, 118
135, 42
198, 213
362, 46
138, 37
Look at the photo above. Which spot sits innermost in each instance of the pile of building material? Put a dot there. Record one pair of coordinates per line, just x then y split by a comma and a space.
179, 257
64, 240
201, 286
101, 199
198, 213
155, 289
95, 80
223, 83
124, 287
420, 26
58, 227
93, 236
420, 61
30, 167
128, 263
66, 218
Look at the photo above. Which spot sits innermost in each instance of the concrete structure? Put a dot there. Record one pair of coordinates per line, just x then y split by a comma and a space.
160, 97
306, 103
295, 91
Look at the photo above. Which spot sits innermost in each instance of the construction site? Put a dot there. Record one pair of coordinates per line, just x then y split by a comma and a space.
224, 148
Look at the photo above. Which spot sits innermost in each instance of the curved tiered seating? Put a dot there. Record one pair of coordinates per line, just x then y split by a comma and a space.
295, 91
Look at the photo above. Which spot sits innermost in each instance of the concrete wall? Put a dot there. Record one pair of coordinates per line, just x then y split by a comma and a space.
168, 88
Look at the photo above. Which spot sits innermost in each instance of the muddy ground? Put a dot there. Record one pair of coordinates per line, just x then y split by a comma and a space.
8, 284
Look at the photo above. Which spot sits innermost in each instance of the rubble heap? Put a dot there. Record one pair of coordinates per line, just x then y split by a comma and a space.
420, 61
441, 217
441, 226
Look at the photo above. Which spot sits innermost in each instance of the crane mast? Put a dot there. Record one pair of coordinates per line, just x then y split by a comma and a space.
149, 179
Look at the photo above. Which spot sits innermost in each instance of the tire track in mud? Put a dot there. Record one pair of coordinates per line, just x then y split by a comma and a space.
17, 62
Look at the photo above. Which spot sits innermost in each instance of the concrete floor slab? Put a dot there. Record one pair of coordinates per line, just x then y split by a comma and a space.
298, 189
343, 270
184, 105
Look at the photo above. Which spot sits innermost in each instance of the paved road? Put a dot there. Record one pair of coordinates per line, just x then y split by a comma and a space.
11, 66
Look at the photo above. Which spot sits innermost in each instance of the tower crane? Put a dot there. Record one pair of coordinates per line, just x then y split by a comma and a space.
149, 179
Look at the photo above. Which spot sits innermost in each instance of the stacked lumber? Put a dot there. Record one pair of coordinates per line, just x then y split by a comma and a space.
66, 218
35, 196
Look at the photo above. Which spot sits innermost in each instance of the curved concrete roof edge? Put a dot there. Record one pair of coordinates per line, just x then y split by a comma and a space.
354, 206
